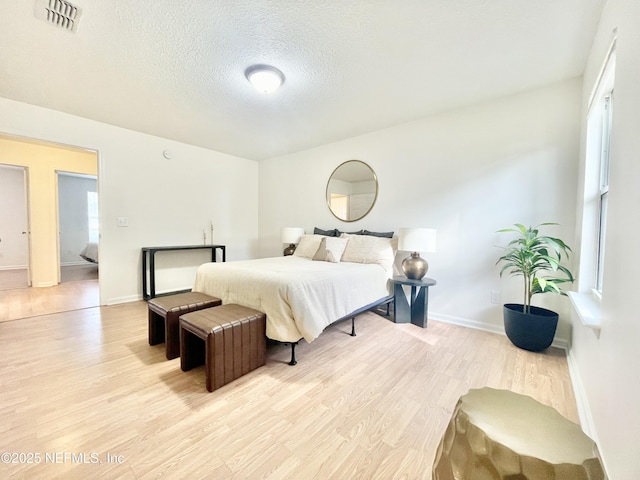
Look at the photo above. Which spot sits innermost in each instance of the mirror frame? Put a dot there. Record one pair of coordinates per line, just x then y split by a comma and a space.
375, 196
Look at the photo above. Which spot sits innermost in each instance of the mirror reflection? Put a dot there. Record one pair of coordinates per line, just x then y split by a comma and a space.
352, 190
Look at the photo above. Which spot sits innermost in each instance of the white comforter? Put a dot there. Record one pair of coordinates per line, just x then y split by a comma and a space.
299, 296
90, 252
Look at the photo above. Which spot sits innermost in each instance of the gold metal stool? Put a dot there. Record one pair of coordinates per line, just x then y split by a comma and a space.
499, 435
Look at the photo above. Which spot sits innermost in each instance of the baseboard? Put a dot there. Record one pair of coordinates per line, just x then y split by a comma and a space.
587, 422
127, 299
73, 264
466, 322
136, 298
582, 402
14, 267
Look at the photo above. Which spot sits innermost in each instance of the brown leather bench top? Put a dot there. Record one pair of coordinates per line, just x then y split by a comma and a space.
182, 301
212, 319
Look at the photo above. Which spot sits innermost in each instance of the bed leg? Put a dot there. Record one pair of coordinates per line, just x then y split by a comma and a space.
293, 354
353, 327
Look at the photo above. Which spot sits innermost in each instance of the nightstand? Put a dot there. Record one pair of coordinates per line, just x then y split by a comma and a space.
415, 309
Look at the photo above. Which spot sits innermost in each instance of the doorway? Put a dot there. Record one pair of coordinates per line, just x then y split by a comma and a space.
78, 222
39, 162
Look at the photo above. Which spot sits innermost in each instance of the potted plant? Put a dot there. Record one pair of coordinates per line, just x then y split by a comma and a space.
532, 256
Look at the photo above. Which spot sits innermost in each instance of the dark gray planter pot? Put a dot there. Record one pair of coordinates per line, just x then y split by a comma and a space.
532, 331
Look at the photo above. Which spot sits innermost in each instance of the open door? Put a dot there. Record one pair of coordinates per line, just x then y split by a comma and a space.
14, 228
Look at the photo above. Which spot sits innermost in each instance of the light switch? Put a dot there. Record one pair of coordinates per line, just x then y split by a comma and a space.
123, 221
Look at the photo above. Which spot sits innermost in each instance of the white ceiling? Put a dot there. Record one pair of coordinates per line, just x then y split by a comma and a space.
175, 68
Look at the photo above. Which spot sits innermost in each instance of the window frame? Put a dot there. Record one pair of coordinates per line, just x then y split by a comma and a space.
607, 118
597, 167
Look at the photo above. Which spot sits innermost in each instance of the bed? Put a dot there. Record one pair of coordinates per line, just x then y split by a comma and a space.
325, 280
90, 252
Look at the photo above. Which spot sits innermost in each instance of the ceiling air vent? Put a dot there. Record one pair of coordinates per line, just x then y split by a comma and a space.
59, 13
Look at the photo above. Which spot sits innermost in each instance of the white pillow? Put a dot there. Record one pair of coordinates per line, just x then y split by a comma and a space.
331, 249
308, 246
368, 249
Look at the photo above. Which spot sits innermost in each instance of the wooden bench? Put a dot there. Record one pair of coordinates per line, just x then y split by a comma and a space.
164, 313
230, 340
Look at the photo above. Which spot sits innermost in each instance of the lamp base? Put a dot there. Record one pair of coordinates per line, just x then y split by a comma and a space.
289, 250
415, 267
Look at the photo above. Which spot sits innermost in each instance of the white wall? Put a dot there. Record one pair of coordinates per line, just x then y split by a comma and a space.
606, 366
467, 173
166, 202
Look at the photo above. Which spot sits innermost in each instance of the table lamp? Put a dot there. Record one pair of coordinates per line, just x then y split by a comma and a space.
291, 235
416, 240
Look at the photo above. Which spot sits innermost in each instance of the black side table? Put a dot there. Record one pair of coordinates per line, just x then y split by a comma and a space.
416, 308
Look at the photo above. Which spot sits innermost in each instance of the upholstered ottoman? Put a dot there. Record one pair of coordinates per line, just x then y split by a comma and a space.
230, 340
164, 313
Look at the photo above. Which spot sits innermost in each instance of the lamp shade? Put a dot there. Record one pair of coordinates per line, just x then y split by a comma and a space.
291, 234
417, 239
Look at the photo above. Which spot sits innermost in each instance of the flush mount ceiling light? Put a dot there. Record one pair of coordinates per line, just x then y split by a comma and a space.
264, 78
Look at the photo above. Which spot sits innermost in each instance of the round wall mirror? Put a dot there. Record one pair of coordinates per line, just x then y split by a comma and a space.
352, 190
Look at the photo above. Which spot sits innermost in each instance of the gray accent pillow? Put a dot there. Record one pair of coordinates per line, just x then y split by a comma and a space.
378, 234
326, 233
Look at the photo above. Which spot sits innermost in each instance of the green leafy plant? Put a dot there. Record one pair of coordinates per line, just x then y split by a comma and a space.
531, 255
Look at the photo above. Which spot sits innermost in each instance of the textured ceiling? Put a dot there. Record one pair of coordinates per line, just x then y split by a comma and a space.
176, 68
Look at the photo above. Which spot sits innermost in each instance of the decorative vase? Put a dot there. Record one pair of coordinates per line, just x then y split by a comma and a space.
415, 267
533, 331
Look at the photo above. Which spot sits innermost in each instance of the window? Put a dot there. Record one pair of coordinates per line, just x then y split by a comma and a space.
92, 212
596, 188
607, 109
599, 140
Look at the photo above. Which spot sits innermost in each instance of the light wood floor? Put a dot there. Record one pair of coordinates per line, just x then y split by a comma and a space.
78, 273
370, 407
30, 302
19, 278
14, 278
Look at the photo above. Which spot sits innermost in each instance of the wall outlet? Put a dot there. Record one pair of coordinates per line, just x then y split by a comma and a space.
123, 221
495, 297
